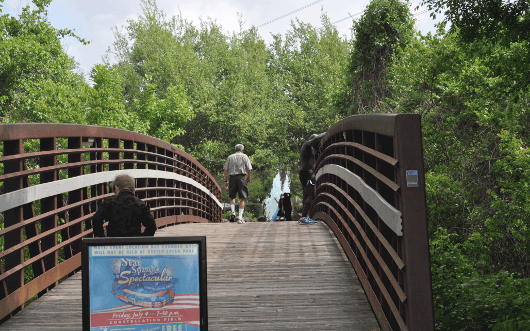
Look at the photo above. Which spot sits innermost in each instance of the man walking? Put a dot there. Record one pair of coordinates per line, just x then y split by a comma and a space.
124, 211
237, 166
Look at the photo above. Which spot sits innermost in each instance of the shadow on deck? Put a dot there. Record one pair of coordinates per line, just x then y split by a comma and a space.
261, 276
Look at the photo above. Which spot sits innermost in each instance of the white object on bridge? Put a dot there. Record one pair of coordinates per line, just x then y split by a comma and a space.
390, 215
37, 192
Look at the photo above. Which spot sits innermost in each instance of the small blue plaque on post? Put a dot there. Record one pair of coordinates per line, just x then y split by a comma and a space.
412, 178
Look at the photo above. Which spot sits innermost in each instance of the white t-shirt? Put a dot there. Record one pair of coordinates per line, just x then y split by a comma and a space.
237, 164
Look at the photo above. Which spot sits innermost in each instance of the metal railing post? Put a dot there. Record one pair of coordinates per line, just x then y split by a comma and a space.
409, 150
12, 217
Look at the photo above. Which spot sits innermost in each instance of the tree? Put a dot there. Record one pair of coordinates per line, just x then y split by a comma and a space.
496, 20
37, 79
385, 26
307, 69
163, 118
105, 106
465, 100
222, 79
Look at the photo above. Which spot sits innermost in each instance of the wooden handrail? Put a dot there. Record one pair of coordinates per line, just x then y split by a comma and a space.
378, 213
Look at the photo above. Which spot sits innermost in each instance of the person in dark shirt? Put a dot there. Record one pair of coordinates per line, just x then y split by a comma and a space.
287, 206
280, 206
124, 211
307, 167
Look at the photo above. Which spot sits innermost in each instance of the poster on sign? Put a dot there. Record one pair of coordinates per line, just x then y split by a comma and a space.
144, 284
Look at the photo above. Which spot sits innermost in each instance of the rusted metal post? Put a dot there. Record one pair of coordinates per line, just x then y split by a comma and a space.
161, 182
114, 143
141, 182
97, 189
74, 196
152, 182
31, 231
48, 204
128, 144
169, 183
409, 150
13, 216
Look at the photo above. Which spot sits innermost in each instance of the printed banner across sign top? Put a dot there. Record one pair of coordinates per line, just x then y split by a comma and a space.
144, 287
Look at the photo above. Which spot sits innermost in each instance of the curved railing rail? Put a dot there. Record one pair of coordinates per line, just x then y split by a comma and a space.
371, 193
49, 195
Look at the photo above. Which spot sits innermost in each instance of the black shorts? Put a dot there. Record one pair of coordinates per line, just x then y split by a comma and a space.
238, 185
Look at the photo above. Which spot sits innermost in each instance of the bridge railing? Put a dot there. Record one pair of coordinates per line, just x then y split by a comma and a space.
371, 193
49, 195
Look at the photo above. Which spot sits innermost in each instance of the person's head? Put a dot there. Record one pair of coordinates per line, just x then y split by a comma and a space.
122, 182
239, 148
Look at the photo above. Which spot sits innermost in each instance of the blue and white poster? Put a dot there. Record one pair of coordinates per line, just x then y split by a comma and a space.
144, 287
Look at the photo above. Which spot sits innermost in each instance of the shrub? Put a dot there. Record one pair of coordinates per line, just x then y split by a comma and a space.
464, 299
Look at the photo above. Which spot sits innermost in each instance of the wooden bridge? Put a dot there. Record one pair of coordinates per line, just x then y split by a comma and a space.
261, 276
364, 266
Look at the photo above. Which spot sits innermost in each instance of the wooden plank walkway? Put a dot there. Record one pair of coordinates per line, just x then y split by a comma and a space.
261, 276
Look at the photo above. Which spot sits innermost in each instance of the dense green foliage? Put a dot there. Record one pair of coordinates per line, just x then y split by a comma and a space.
206, 91
240, 91
39, 84
486, 19
37, 81
385, 26
472, 94
474, 107
467, 299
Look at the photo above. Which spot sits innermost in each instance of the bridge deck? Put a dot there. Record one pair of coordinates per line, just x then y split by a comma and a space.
261, 276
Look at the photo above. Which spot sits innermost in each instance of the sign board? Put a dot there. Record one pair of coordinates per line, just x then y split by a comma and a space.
144, 284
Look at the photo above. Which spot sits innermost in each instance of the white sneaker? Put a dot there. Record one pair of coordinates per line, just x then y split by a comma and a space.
239, 221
